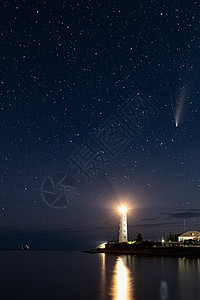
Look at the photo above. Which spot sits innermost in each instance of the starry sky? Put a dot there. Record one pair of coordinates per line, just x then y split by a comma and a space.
68, 68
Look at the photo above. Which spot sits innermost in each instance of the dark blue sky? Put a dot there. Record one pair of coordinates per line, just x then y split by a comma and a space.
67, 69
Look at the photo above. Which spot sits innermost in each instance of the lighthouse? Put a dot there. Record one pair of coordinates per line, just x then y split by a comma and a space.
123, 233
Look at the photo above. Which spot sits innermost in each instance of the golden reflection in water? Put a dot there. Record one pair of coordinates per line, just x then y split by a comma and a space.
122, 282
103, 276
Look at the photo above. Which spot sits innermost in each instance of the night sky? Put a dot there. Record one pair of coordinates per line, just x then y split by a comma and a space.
70, 72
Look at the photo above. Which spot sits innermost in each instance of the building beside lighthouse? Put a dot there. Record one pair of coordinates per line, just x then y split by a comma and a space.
123, 232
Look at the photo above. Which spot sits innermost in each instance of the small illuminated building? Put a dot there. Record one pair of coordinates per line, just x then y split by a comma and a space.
123, 233
189, 235
102, 246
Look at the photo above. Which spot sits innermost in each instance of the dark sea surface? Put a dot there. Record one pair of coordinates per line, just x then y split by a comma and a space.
77, 275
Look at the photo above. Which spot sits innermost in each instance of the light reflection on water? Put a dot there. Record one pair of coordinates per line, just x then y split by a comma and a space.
129, 277
118, 283
66, 275
188, 281
103, 276
122, 285
163, 290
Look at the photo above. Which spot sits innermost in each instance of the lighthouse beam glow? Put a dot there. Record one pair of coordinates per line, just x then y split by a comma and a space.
123, 233
123, 210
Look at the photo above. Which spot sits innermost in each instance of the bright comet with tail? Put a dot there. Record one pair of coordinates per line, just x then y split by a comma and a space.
180, 106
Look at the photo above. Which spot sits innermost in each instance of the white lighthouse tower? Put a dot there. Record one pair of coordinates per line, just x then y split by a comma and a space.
123, 233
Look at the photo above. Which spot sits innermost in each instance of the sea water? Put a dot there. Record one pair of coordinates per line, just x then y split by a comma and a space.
78, 275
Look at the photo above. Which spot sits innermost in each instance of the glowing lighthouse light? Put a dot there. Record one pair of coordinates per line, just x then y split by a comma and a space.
123, 233
123, 209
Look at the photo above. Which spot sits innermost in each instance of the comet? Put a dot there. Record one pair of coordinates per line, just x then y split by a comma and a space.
180, 106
